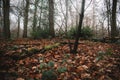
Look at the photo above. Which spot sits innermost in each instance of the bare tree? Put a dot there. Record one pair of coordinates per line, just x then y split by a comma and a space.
108, 7
26, 18
41, 10
35, 15
19, 15
66, 17
51, 18
79, 27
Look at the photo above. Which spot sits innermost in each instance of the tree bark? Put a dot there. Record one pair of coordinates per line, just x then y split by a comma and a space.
40, 18
51, 18
35, 16
0, 18
26, 19
6, 20
18, 32
66, 17
108, 15
113, 22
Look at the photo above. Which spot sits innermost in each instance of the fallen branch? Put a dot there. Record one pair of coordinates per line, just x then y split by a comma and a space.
29, 52
70, 42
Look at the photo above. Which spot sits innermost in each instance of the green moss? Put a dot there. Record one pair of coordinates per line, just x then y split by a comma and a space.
56, 44
48, 47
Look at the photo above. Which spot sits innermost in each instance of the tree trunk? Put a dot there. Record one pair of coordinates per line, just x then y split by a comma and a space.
6, 28
35, 16
51, 18
66, 17
93, 17
41, 10
107, 3
79, 27
26, 19
113, 22
1, 19
18, 32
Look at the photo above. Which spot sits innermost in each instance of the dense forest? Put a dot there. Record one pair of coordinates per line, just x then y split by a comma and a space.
59, 39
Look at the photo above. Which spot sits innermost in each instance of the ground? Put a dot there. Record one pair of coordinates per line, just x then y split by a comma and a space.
26, 59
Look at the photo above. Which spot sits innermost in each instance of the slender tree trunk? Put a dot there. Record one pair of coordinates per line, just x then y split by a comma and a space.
41, 10
108, 15
18, 32
77, 15
79, 27
0, 3
26, 19
35, 16
102, 24
66, 17
0, 18
71, 16
51, 18
6, 28
93, 15
109, 19
113, 22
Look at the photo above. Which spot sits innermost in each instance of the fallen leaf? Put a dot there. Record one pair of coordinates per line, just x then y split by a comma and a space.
57, 56
21, 62
20, 79
85, 75
48, 54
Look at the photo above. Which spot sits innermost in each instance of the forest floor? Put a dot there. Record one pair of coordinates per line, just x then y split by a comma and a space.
25, 59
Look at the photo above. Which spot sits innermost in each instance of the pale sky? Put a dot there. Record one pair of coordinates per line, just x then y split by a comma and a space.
75, 8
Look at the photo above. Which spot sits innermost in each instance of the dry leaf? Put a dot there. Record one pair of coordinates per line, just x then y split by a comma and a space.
20, 79
55, 65
57, 56
85, 75
21, 62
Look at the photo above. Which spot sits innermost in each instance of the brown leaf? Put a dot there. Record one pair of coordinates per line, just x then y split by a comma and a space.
85, 75
55, 65
34, 67
79, 68
69, 61
57, 56
48, 54
20, 79
82, 68
21, 62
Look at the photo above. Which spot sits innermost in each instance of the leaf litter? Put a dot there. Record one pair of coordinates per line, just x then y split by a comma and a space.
66, 66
